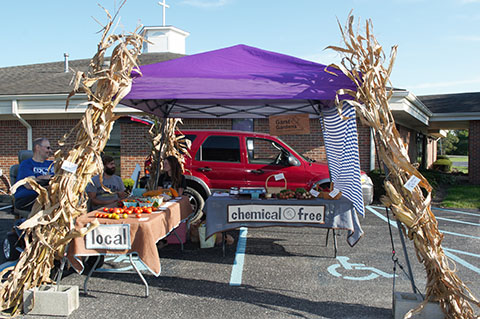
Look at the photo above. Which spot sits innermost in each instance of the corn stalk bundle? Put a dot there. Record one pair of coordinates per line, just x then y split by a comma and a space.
50, 226
362, 62
164, 142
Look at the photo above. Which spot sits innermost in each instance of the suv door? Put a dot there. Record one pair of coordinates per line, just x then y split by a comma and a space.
219, 162
266, 157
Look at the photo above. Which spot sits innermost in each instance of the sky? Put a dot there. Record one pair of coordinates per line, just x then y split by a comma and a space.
438, 41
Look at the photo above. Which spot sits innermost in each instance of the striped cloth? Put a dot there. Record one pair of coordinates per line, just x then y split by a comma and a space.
341, 145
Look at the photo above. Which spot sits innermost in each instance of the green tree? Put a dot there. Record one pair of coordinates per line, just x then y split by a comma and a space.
462, 144
447, 144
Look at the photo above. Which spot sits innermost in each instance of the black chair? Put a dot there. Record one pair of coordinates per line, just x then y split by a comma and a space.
22, 155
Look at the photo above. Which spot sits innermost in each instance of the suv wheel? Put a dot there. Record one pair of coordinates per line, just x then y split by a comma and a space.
196, 200
10, 251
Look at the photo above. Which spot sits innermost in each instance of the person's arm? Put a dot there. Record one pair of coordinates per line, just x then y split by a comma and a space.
122, 193
99, 202
183, 185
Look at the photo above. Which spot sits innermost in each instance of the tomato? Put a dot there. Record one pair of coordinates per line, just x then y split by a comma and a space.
148, 210
138, 215
110, 210
125, 216
105, 209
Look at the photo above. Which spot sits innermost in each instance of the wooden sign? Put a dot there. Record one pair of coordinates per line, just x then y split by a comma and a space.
293, 124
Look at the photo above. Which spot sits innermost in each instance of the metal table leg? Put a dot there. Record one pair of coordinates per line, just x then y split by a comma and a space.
179, 239
140, 274
85, 291
334, 240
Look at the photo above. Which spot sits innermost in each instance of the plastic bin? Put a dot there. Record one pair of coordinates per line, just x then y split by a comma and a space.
210, 242
181, 232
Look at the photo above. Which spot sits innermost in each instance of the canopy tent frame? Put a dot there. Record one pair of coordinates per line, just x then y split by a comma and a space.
241, 82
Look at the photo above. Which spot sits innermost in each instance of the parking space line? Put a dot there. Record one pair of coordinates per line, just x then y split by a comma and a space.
461, 261
237, 268
458, 235
446, 250
462, 252
457, 221
372, 210
455, 211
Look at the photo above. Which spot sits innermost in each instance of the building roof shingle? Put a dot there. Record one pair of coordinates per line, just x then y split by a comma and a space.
50, 78
452, 103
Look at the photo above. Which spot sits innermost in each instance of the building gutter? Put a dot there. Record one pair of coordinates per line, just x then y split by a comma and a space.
24, 123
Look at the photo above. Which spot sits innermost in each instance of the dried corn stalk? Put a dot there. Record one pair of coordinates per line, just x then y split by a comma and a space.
363, 64
164, 142
51, 224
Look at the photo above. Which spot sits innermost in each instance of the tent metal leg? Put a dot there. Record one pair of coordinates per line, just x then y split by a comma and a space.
410, 272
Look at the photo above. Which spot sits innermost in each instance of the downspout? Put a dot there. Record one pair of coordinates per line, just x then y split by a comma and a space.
25, 123
372, 150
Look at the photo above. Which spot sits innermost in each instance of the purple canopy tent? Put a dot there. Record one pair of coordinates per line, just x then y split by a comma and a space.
235, 82
246, 82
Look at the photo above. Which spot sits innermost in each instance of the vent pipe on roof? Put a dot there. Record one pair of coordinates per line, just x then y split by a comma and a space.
65, 65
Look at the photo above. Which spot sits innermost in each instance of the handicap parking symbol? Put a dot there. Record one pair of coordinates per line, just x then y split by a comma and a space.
344, 265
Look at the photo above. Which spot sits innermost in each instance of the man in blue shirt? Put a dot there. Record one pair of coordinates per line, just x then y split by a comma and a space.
39, 167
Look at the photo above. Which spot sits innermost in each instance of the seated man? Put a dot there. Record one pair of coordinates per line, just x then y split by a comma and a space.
39, 167
98, 196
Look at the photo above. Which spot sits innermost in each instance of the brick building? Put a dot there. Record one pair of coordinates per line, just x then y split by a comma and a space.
32, 104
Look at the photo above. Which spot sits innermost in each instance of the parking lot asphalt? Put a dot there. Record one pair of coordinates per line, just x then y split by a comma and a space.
278, 272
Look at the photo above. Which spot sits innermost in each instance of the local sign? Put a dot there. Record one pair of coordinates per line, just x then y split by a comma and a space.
111, 237
309, 214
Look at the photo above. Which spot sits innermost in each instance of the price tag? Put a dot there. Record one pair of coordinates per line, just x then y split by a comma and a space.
314, 193
411, 183
69, 167
334, 193
279, 176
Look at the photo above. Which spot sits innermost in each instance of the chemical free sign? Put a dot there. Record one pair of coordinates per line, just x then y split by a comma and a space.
112, 237
314, 214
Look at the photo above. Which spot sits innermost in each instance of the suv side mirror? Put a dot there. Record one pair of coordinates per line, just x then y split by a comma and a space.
293, 161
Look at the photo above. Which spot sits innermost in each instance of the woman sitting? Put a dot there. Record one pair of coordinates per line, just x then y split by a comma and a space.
172, 176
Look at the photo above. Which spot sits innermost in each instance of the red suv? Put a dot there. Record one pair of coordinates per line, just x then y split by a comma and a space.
224, 159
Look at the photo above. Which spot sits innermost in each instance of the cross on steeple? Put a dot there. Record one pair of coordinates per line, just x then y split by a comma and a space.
164, 5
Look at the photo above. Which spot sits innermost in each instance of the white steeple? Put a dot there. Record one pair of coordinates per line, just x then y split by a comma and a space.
164, 38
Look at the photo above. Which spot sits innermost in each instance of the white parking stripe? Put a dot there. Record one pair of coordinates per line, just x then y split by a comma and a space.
455, 211
457, 221
448, 251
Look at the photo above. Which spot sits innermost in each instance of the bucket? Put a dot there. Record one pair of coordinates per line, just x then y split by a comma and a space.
209, 243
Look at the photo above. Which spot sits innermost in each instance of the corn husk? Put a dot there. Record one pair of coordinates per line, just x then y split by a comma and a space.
165, 142
50, 226
363, 63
